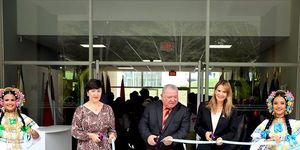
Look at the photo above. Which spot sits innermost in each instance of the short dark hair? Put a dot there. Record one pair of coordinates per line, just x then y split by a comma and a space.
144, 92
93, 84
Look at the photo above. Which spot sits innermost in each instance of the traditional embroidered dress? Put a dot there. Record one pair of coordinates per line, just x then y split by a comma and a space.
13, 135
288, 142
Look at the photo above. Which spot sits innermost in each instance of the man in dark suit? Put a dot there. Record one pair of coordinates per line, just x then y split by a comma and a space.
164, 120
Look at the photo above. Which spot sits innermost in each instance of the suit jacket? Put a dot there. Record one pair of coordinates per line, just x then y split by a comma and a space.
226, 128
177, 124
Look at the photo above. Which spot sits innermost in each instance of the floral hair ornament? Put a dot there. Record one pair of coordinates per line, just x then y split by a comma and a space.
20, 98
288, 96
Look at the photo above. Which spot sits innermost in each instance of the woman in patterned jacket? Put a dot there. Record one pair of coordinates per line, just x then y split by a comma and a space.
93, 123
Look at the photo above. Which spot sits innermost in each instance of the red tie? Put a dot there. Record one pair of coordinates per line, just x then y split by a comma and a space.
166, 113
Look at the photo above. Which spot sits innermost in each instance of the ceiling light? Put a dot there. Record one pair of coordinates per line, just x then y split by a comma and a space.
155, 60
220, 46
94, 45
125, 68
196, 69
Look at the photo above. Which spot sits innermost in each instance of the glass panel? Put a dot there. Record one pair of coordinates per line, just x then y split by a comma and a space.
153, 92
67, 90
180, 80
210, 91
133, 31
257, 31
251, 86
45, 30
182, 95
152, 79
194, 79
132, 79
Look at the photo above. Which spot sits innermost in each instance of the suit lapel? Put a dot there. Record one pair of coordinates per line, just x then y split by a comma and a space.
159, 114
220, 122
209, 119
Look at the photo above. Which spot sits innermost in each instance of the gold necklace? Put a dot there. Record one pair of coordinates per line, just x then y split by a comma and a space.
279, 119
13, 130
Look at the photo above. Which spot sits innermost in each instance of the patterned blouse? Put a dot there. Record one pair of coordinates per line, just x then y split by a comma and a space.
287, 143
85, 120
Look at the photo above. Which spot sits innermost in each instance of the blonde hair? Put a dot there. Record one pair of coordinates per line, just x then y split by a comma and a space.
227, 105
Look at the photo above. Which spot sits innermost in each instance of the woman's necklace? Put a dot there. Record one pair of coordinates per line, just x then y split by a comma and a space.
13, 130
278, 125
279, 119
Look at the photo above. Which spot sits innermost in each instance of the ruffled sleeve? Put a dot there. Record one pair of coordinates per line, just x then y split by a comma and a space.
258, 133
294, 139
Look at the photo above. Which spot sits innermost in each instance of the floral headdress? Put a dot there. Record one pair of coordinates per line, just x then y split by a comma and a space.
20, 98
288, 96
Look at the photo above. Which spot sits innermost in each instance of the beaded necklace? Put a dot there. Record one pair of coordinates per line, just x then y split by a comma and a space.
12, 130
